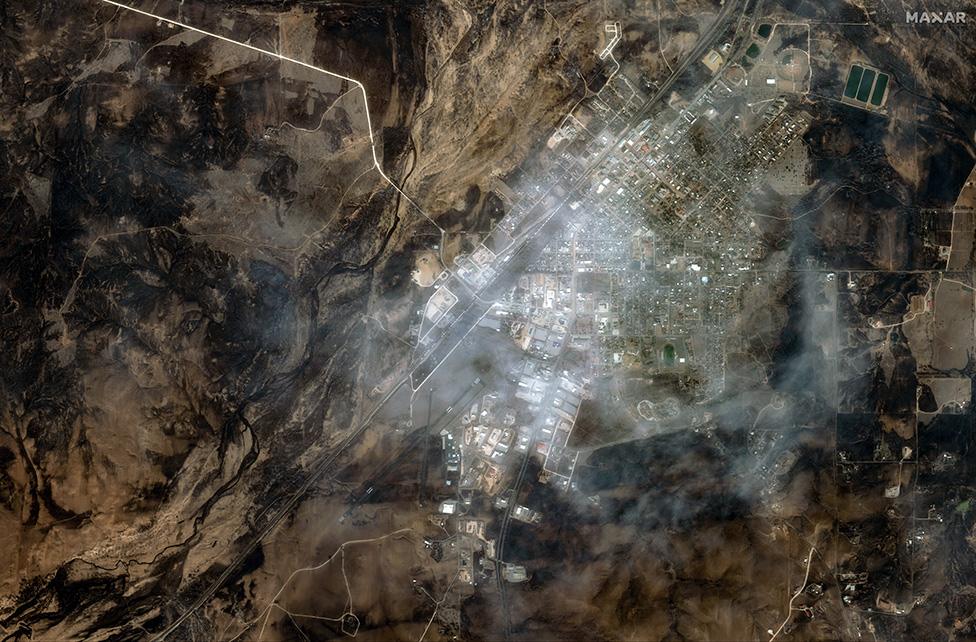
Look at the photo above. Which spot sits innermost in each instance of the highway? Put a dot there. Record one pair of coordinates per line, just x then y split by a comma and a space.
411, 440
503, 531
425, 464
546, 405
268, 519
704, 43
272, 519
509, 272
701, 46
534, 234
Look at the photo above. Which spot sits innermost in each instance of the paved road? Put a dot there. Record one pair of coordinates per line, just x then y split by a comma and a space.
547, 407
550, 224
510, 271
414, 438
704, 43
271, 518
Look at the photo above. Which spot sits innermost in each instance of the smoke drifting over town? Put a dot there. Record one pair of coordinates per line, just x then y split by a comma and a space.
486, 320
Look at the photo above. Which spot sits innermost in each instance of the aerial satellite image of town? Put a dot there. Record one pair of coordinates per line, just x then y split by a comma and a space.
488, 320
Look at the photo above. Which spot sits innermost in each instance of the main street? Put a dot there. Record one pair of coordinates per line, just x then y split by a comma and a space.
509, 271
545, 407
270, 518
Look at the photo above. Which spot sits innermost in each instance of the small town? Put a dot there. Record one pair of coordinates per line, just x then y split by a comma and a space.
636, 287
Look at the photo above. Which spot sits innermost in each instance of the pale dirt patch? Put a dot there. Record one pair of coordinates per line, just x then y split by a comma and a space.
426, 270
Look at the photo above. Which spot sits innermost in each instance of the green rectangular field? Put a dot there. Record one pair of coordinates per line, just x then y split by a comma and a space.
853, 78
865, 89
879, 90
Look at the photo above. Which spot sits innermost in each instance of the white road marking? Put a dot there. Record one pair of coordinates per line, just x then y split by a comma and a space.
359, 85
